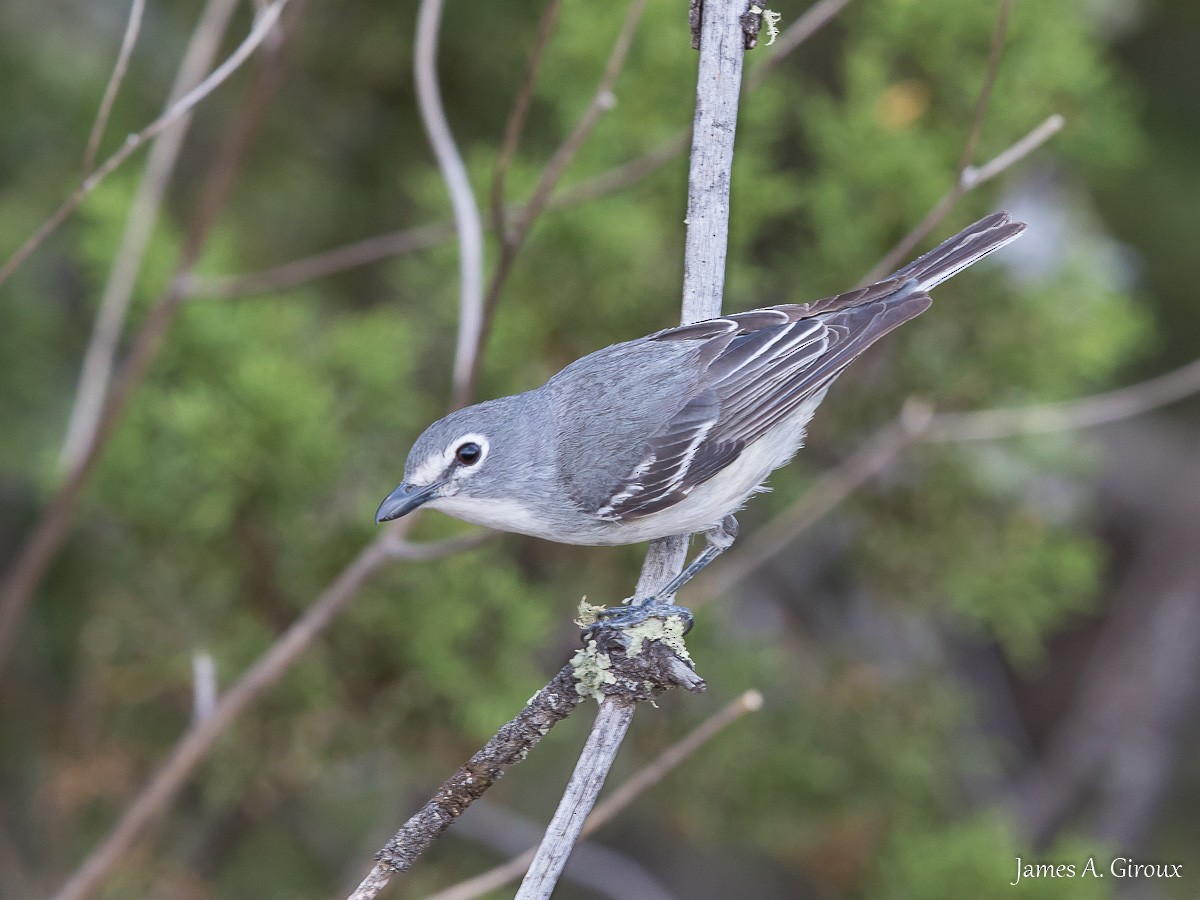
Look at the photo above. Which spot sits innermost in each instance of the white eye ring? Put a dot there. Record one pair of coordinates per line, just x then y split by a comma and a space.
467, 452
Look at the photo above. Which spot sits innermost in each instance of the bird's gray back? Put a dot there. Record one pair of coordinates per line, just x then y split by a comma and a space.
608, 403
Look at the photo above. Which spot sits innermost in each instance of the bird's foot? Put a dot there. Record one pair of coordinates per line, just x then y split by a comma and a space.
622, 617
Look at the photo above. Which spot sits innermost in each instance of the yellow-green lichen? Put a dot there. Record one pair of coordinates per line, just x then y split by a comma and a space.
592, 671
588, 614
670, 631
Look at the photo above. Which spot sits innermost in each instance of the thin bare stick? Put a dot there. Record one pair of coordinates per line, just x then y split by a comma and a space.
969, 179
407, 240
514, 239
519, 115
999, 33
943, 208
973, 176
100, 356
466, 214
718, 84
618, 801
263, 24
132, 27
612, 721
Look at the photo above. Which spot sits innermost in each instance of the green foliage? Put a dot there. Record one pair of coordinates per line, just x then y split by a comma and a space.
244, 475
977, 858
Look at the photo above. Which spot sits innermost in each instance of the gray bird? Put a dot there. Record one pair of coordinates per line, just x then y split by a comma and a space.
669, 434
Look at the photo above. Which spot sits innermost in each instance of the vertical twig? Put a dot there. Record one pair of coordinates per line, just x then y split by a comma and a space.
100, 357
718, 83
612, 721
458, 183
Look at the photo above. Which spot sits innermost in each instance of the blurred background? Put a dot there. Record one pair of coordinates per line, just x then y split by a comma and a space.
972, 647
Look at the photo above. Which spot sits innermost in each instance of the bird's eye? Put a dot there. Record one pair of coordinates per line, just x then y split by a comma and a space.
469, 453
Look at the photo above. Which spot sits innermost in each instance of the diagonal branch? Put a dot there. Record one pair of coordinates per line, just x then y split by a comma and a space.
509, 746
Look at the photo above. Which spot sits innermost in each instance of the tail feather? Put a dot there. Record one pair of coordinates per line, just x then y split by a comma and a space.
967, 247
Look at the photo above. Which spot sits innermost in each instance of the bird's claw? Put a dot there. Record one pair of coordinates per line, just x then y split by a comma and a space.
621, 617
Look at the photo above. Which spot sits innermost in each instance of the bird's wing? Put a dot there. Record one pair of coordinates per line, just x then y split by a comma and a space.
760, 368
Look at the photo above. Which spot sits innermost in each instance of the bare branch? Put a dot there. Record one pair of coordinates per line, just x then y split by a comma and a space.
605, 812
400, 548
1070, 415
360, 253
973, 176
969, 179
100, 356
989, 82
204, 685
718, 86
946, 205
519, 114
509, 746
262, 27
512, 241
132, 27
466, 214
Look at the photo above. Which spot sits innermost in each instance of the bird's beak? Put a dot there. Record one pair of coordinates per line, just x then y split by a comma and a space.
405, 499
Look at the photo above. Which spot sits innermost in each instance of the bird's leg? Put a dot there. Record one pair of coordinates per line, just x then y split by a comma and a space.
659, 606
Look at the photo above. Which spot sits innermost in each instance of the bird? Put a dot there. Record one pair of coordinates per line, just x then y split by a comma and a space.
669, 434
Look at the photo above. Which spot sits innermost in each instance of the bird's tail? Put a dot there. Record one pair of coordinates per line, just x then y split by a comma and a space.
951, 256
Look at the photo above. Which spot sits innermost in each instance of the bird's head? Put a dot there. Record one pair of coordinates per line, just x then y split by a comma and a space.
468, 454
